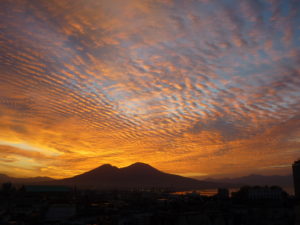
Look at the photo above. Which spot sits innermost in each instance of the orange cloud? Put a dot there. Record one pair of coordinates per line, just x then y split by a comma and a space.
196, 87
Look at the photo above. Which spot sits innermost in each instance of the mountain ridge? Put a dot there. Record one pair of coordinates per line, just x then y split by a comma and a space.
141, 175
137, 175
29, 180
258, 179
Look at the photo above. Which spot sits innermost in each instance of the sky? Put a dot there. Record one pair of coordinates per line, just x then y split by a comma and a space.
200, 88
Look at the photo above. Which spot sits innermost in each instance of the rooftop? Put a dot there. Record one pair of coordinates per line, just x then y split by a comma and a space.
44, 188
297, 161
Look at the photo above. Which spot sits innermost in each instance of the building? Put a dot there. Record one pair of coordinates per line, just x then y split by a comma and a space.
296, 175
47, 189
58, 213
223, 193
265, 193
260, 193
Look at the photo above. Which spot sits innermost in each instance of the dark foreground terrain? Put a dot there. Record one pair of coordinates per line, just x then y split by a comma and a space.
43, 205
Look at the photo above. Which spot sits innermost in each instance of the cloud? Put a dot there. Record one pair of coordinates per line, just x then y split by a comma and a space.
174, 84
7, 151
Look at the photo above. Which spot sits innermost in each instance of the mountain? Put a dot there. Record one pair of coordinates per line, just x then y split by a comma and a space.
137, 175
141, 175
31, 180
255, 179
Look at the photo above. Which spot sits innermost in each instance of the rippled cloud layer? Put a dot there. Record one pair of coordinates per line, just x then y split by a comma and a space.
190, 87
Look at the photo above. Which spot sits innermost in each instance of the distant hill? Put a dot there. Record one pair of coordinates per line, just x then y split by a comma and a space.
255, 179
141, 175
32, 180
137, 175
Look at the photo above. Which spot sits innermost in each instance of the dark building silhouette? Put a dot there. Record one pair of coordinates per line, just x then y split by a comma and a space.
296, 175
223, 193
254, 193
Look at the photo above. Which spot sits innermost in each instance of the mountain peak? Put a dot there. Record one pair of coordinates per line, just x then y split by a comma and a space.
140, 164
136, 175
107, 165
139, 168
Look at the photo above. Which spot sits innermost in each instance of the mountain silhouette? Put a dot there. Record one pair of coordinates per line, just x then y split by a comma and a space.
140, 175
31, 180
261, 180
137, 175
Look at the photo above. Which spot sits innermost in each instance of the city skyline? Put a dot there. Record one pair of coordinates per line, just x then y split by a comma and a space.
195, 88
